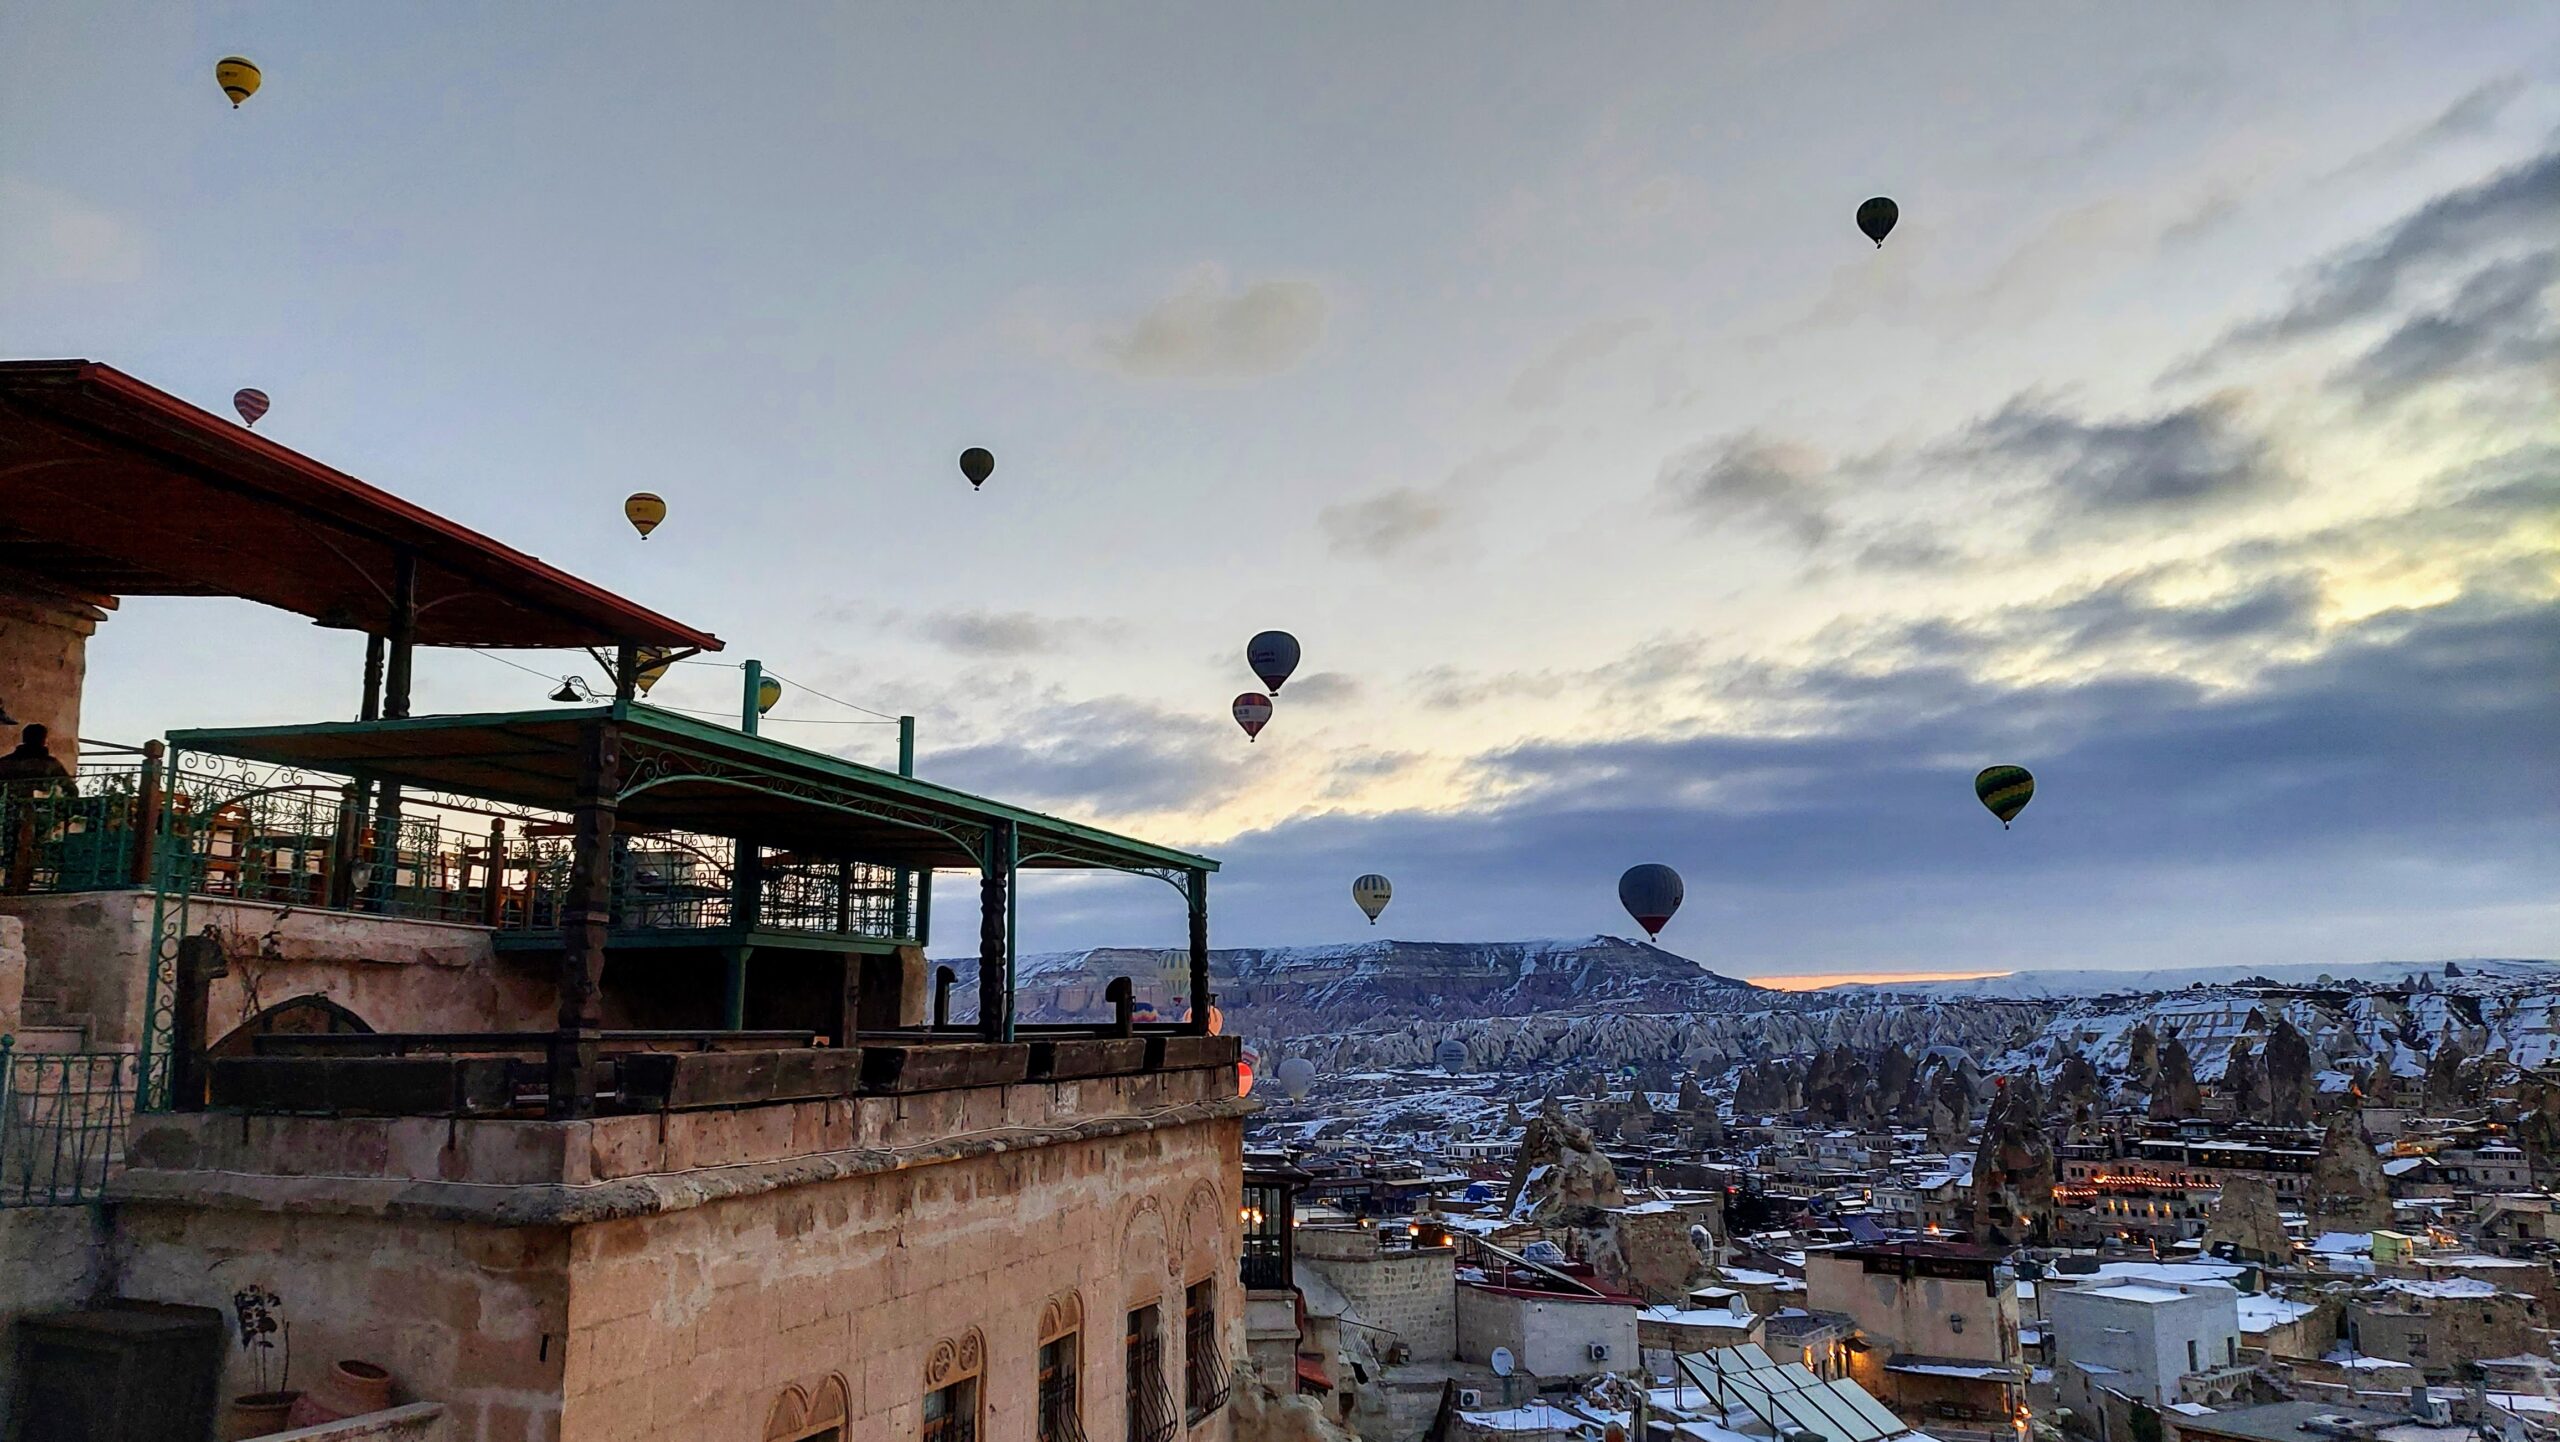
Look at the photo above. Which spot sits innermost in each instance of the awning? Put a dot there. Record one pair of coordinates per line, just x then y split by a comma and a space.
682, 774
110, 487
1311, 1373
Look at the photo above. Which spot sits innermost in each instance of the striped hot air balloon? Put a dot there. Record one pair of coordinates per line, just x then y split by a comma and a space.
1371, 893
2006, 790
1252, 712
250, 403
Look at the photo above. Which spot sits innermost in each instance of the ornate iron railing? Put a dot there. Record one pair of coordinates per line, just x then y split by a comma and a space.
679, 881
1151, 1414
63, 1121
1205, 1380
1059, 1419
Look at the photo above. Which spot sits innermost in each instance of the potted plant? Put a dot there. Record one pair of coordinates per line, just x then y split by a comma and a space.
263, 1409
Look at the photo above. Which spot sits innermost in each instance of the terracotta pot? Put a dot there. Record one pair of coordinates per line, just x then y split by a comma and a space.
255, 1414
360, 1387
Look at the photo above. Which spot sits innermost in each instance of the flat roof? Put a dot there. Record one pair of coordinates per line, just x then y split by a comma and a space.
684, 774
111, 487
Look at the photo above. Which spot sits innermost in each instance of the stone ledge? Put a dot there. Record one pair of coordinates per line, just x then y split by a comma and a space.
409, 1421
553, 1204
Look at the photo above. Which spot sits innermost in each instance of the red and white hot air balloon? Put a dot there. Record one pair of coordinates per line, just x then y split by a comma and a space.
250, 403
1253, 712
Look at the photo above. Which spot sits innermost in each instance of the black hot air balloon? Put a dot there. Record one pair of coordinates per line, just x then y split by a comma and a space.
1272, 655
977, 463
1876, 218
1651, 893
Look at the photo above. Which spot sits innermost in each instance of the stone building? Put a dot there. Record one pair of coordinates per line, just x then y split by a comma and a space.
2438, 1326
582, 1067
1936, 1327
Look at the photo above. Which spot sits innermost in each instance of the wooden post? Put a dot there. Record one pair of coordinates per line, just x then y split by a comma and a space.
733, 986
944, 978
200, 960
626, 672
1123, 996
1198, 894
995, 879
146, 820
404, 636
493, 895
585, 916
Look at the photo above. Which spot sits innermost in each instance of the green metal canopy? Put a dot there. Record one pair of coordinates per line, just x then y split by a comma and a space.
679, 773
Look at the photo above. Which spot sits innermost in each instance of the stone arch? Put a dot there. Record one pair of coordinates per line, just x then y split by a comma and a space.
799, 1416
1060, 1315
305, 1015
955, 1359
1144, 1248
1204, 1235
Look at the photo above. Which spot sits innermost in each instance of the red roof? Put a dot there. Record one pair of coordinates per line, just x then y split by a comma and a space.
110, 487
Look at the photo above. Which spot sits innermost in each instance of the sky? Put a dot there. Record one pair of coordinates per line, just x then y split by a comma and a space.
2194, 441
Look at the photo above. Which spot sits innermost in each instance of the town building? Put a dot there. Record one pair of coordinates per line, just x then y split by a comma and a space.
2147, 1341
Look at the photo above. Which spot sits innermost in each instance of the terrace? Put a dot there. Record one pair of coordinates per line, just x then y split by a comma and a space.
558, 913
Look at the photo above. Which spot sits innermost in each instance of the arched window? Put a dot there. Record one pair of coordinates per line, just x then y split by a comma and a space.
951, 1390
798, 1416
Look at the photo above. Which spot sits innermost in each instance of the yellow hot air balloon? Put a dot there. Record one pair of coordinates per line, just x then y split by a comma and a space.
654, 662
237, 77
644, 511
768, 691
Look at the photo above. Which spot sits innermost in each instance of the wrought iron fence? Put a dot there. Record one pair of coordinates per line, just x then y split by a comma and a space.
63, 1121
1205, 1381
680, 881
86, 831
1150, 1406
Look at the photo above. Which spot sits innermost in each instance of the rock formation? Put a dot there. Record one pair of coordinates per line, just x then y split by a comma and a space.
2248, 1219
2177, 1097
2348, 1190
1559, 1173
2288, 1072
2013, 1170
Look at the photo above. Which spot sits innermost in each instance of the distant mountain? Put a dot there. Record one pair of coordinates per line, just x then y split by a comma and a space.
2494, 970
1281, 990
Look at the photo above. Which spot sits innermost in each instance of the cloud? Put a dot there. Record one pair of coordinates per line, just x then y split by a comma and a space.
1542, 383
2396, 791
2366, 282
2500, 320
1004, 633
2186, 457
1112, 755
2474, 112
1778, 483
1324, 688
1384, 524
1211, 330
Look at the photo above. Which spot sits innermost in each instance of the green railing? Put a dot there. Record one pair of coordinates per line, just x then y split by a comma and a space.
64, 1117
85, 832
668, 882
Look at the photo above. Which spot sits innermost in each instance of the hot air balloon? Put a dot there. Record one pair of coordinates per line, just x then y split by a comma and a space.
1244, 1078
2006, 790
1272, 655
237, 77
977, 463
1217, 1022
250, 403
1451, 1055
654, 662
1876, 218
768, 692
1253, 712
1651, 893
1296, 1076
644, 511
1372, 892
1144, 1011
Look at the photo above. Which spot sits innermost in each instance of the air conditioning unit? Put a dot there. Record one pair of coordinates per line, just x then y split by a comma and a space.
1599, 1351
1470, 1398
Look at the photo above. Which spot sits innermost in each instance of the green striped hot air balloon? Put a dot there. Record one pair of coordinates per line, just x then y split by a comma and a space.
2006, 790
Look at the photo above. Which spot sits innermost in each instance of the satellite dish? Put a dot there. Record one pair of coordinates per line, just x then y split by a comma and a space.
1502, 1362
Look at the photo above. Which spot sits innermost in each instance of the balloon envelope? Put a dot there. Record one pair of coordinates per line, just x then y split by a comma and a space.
977, 463
1451, 1056
644, 511
1372, 893
250, 403
1244, 1078
1272, 655
1296, 1076
2005, 790
1876, 218
1252, 712
653, 666
1651, 893
237, 77
768, 692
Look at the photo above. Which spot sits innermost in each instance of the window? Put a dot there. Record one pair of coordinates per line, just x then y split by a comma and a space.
2194, 1363
1058, 1419
1204, 1371
1151, 1416
2230, 1351
951, 1413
